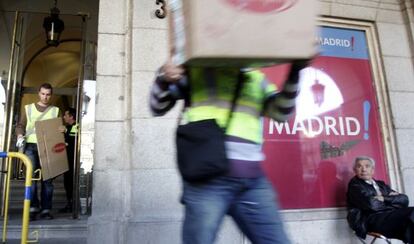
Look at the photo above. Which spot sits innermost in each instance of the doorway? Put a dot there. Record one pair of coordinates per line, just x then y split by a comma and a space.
70, 68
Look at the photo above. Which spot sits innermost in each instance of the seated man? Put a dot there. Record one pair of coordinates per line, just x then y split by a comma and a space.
374, 207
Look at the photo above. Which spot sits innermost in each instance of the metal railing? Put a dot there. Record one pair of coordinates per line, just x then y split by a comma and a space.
26, 205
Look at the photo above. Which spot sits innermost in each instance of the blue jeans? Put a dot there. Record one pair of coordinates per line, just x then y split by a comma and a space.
47, 185
249, 201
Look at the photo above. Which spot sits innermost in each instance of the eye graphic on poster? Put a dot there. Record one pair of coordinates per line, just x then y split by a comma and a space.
309, 157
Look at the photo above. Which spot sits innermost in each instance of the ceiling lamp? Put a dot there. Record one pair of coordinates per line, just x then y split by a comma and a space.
53, 26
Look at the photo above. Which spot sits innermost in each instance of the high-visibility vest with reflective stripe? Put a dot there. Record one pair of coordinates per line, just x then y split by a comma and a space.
74, 130
212, 91
33, 115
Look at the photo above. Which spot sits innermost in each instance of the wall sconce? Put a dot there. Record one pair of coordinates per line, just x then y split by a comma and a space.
53, 26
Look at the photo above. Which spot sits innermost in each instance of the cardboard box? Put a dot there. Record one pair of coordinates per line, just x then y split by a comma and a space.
52, 148
242, 32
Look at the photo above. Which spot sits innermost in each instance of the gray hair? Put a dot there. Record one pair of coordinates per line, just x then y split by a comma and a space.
360, 158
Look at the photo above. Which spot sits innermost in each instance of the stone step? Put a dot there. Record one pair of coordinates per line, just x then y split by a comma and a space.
72, 240
62, 229
17, 191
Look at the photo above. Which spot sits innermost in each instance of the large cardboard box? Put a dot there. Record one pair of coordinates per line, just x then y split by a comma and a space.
242, 32
52, 148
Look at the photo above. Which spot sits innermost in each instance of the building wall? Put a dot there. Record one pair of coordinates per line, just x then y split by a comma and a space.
136, 186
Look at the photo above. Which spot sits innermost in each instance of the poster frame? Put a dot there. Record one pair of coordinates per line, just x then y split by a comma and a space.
384, 111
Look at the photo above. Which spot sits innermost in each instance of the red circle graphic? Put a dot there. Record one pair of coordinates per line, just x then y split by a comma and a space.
60, 147
262, 6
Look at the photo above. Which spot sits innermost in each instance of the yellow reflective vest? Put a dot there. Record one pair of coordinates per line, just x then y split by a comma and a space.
33, 115
74, 130
212, 91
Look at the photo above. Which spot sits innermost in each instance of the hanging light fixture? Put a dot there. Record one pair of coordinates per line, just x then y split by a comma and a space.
318, 91
53, 26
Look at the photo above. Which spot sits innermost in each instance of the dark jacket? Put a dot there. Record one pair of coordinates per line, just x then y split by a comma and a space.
70, 144
361, 203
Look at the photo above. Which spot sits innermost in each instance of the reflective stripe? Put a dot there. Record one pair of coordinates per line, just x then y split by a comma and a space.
29, 124
244, 151
29, 112
56, 112
74, 130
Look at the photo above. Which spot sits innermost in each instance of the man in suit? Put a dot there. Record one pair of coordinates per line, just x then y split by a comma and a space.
374, 207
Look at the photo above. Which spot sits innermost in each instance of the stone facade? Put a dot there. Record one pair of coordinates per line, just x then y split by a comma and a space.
136, 187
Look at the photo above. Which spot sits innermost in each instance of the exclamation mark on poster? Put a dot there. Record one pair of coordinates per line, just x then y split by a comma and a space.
367, 108
352, 43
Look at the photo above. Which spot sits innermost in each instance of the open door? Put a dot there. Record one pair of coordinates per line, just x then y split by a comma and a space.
9, 105
85, 108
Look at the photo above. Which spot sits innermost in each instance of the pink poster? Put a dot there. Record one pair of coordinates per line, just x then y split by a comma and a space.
309, 158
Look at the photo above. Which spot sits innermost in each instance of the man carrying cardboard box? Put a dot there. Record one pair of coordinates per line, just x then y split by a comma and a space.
243, 192
219, 147
25, 131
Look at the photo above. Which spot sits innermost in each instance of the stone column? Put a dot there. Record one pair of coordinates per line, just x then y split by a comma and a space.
111, 172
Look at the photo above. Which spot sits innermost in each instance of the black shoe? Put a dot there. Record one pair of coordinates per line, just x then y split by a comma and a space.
33, 216
46, 215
